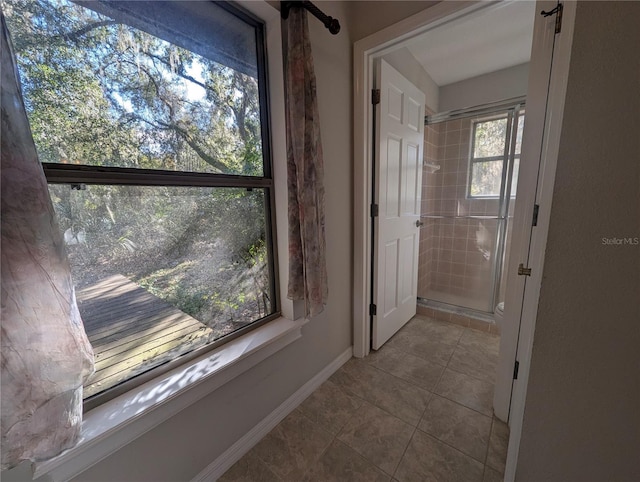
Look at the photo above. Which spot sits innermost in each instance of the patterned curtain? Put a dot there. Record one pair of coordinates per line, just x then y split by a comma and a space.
305, 169
45, 353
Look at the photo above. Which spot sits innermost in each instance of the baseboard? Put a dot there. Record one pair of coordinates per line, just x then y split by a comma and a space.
234, 453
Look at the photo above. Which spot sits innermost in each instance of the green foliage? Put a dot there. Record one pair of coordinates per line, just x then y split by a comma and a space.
490, 138
102, 93
166, 284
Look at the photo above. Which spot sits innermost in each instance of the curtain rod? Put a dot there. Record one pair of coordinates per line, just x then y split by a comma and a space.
331, 23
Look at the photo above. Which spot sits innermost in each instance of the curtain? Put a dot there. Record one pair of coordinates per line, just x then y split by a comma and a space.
305, 169
45, 353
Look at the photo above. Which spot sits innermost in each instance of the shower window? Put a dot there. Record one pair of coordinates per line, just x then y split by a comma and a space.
489, 153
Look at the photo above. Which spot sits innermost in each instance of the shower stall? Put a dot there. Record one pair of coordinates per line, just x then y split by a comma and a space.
471, 160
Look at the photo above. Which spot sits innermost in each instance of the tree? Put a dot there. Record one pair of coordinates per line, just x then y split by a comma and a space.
103, 93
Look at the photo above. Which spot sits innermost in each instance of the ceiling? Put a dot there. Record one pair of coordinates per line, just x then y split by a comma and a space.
494, 38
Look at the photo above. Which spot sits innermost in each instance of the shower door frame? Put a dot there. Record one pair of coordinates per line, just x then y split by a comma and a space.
549, 90
511, 108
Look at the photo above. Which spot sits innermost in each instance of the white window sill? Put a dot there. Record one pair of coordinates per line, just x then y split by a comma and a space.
112, 425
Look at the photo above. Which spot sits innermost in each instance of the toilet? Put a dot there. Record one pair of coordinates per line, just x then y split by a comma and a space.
498, 314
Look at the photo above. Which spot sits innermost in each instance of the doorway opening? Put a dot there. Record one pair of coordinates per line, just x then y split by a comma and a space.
470, 175
473, 71
545, 101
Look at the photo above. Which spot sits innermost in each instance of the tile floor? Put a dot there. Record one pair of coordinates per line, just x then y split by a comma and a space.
419, 409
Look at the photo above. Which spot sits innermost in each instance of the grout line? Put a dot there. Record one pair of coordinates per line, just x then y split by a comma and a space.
370, 402
464, 406
444, 442
393, 414
431, 398
486, 455
404, 452
337, 439
382, 369
401, 379
316, 460
472, 376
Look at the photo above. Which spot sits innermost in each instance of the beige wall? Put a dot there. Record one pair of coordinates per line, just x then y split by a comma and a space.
404, 62
582, 413
369, 16
483, 89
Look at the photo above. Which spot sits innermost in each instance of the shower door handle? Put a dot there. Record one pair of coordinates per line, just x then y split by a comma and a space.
419, 223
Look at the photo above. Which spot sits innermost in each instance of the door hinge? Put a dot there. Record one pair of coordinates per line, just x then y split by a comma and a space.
373, 309
522, 271
375, 96
558, 12
536, 209
374, 210
516, 367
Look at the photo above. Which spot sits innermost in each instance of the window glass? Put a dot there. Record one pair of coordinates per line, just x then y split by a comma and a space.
516, 170
148, 121
490, 137
519, 133
488, 157
101, 92
150, 261
487, 177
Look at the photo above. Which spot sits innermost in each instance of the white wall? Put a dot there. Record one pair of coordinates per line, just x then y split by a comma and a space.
184, 445
582, 412
491, 87
404, 62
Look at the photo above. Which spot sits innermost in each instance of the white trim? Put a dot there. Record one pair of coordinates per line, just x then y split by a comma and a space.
364, 52
546, 180
118, 422
234, 453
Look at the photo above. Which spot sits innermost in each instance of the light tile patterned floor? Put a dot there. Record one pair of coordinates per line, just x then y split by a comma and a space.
419, 409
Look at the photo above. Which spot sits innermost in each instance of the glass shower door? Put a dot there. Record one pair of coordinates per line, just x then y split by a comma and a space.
466, 209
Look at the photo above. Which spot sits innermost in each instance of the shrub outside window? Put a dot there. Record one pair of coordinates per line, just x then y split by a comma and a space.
151, 122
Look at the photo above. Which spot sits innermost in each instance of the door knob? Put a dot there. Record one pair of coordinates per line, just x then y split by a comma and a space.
419, 223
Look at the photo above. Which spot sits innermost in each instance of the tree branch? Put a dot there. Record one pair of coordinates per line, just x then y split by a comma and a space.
180, 71
76, 34
39, 40
188, 138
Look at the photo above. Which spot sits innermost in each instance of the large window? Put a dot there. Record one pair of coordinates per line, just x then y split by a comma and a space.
490, 151
151, 124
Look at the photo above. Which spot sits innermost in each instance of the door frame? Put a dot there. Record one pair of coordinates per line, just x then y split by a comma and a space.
365, 53
540, 189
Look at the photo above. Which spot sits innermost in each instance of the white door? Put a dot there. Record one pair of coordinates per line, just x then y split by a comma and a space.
397, 192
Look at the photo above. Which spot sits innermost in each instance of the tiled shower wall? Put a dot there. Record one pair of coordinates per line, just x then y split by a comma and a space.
456, 254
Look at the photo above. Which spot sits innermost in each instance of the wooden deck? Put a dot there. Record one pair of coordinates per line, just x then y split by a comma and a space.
132, 331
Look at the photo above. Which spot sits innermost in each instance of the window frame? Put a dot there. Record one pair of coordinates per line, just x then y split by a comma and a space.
120, 421
57, 173
477, 160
